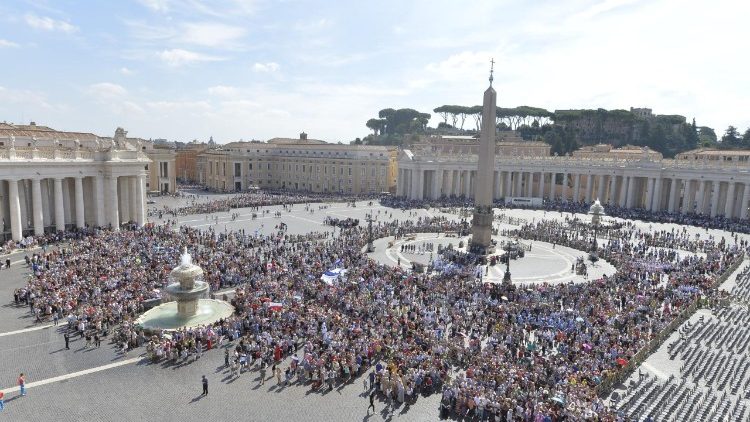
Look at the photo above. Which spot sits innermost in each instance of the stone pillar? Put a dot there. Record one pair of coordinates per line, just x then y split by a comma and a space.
99, 201
467, 184
729, 207
15, 211
714, 198
131, 185
699, 197
80, 218
140, 195
631, 191
576, 187
672, 195
541, 184
623, 190
508, 184
564, 188
67, 213
530, 184
124, 192
612, 195
745, 198
659, 192
649, 194
59, 205
114, 203
37, 212
589, 187
517, 189
600, 188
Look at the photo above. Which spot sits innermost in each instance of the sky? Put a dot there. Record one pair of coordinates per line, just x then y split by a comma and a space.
257, 69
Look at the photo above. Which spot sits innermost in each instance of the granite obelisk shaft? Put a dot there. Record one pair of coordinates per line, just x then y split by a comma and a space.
481, 228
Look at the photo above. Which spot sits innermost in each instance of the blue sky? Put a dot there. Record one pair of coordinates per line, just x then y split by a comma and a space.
255, 69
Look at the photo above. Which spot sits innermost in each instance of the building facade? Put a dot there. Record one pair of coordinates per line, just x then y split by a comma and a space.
186, 162
162, 172
625, 178
52, 180
300, 165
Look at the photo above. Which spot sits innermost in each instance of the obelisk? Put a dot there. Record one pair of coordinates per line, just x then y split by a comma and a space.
481, 225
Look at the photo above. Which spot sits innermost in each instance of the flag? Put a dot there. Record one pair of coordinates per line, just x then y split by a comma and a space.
275, 306
330, 276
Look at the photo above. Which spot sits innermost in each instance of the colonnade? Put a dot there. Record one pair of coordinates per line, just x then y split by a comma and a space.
687, 192
35, 205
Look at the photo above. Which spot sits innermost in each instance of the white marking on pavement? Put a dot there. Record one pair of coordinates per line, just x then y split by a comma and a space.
26, 330
72, 375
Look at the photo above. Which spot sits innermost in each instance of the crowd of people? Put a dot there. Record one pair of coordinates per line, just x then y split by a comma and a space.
491, 351
692, 219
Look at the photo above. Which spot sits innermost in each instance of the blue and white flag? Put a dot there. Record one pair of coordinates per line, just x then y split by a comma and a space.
331, 276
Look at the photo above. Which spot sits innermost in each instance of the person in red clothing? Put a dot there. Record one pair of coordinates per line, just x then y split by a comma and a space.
277, 353
22, 383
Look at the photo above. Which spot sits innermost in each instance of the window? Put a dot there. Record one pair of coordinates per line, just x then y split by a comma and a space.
163, 169
363, 172
350, 172
237, 170
250, 166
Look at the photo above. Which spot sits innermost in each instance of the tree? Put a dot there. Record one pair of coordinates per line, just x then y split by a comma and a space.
376, 125
731, 137
476, 113
442, 111
746, 137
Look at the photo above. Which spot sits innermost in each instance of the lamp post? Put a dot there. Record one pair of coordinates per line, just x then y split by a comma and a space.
506, 276
596, 212
370, 246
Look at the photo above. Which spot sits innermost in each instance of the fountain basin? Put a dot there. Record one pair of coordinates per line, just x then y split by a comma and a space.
166, 316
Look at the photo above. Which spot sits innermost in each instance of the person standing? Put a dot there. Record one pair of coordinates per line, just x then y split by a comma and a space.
372, 402
204, 381
67, 341
22, 383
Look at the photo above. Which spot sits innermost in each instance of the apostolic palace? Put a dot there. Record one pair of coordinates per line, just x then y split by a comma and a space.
710, 182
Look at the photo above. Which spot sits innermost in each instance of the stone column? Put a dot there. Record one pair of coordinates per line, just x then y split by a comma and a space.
80, 218
699, 197
649, 194
67, 212
612, 195
672, 195
59, 207
132, 181
530, 184
631, 191
714, 198
657, 201
140, 195
541, 184
114, 203
37, 212
99, 201
15, 211
576, 187
589, 187
508, 184
600, 188
564, 188
124, 192
467, 184
745, 198
729, 207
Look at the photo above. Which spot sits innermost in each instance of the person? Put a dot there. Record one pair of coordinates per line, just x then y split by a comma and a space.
2, 402
226, 357
372, 402
204, 381
67, 341
22, 383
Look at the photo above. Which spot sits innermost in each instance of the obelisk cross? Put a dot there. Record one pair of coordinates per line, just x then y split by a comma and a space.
492, 69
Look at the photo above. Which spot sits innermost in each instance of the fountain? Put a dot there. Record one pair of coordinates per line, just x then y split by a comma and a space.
190, 307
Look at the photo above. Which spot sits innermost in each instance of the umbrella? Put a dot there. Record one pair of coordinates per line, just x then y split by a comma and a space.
503, 298
622, 361
579, 319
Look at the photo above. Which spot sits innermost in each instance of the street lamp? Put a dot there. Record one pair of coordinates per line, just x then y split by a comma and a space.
596, 212
506, 276
370, 246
